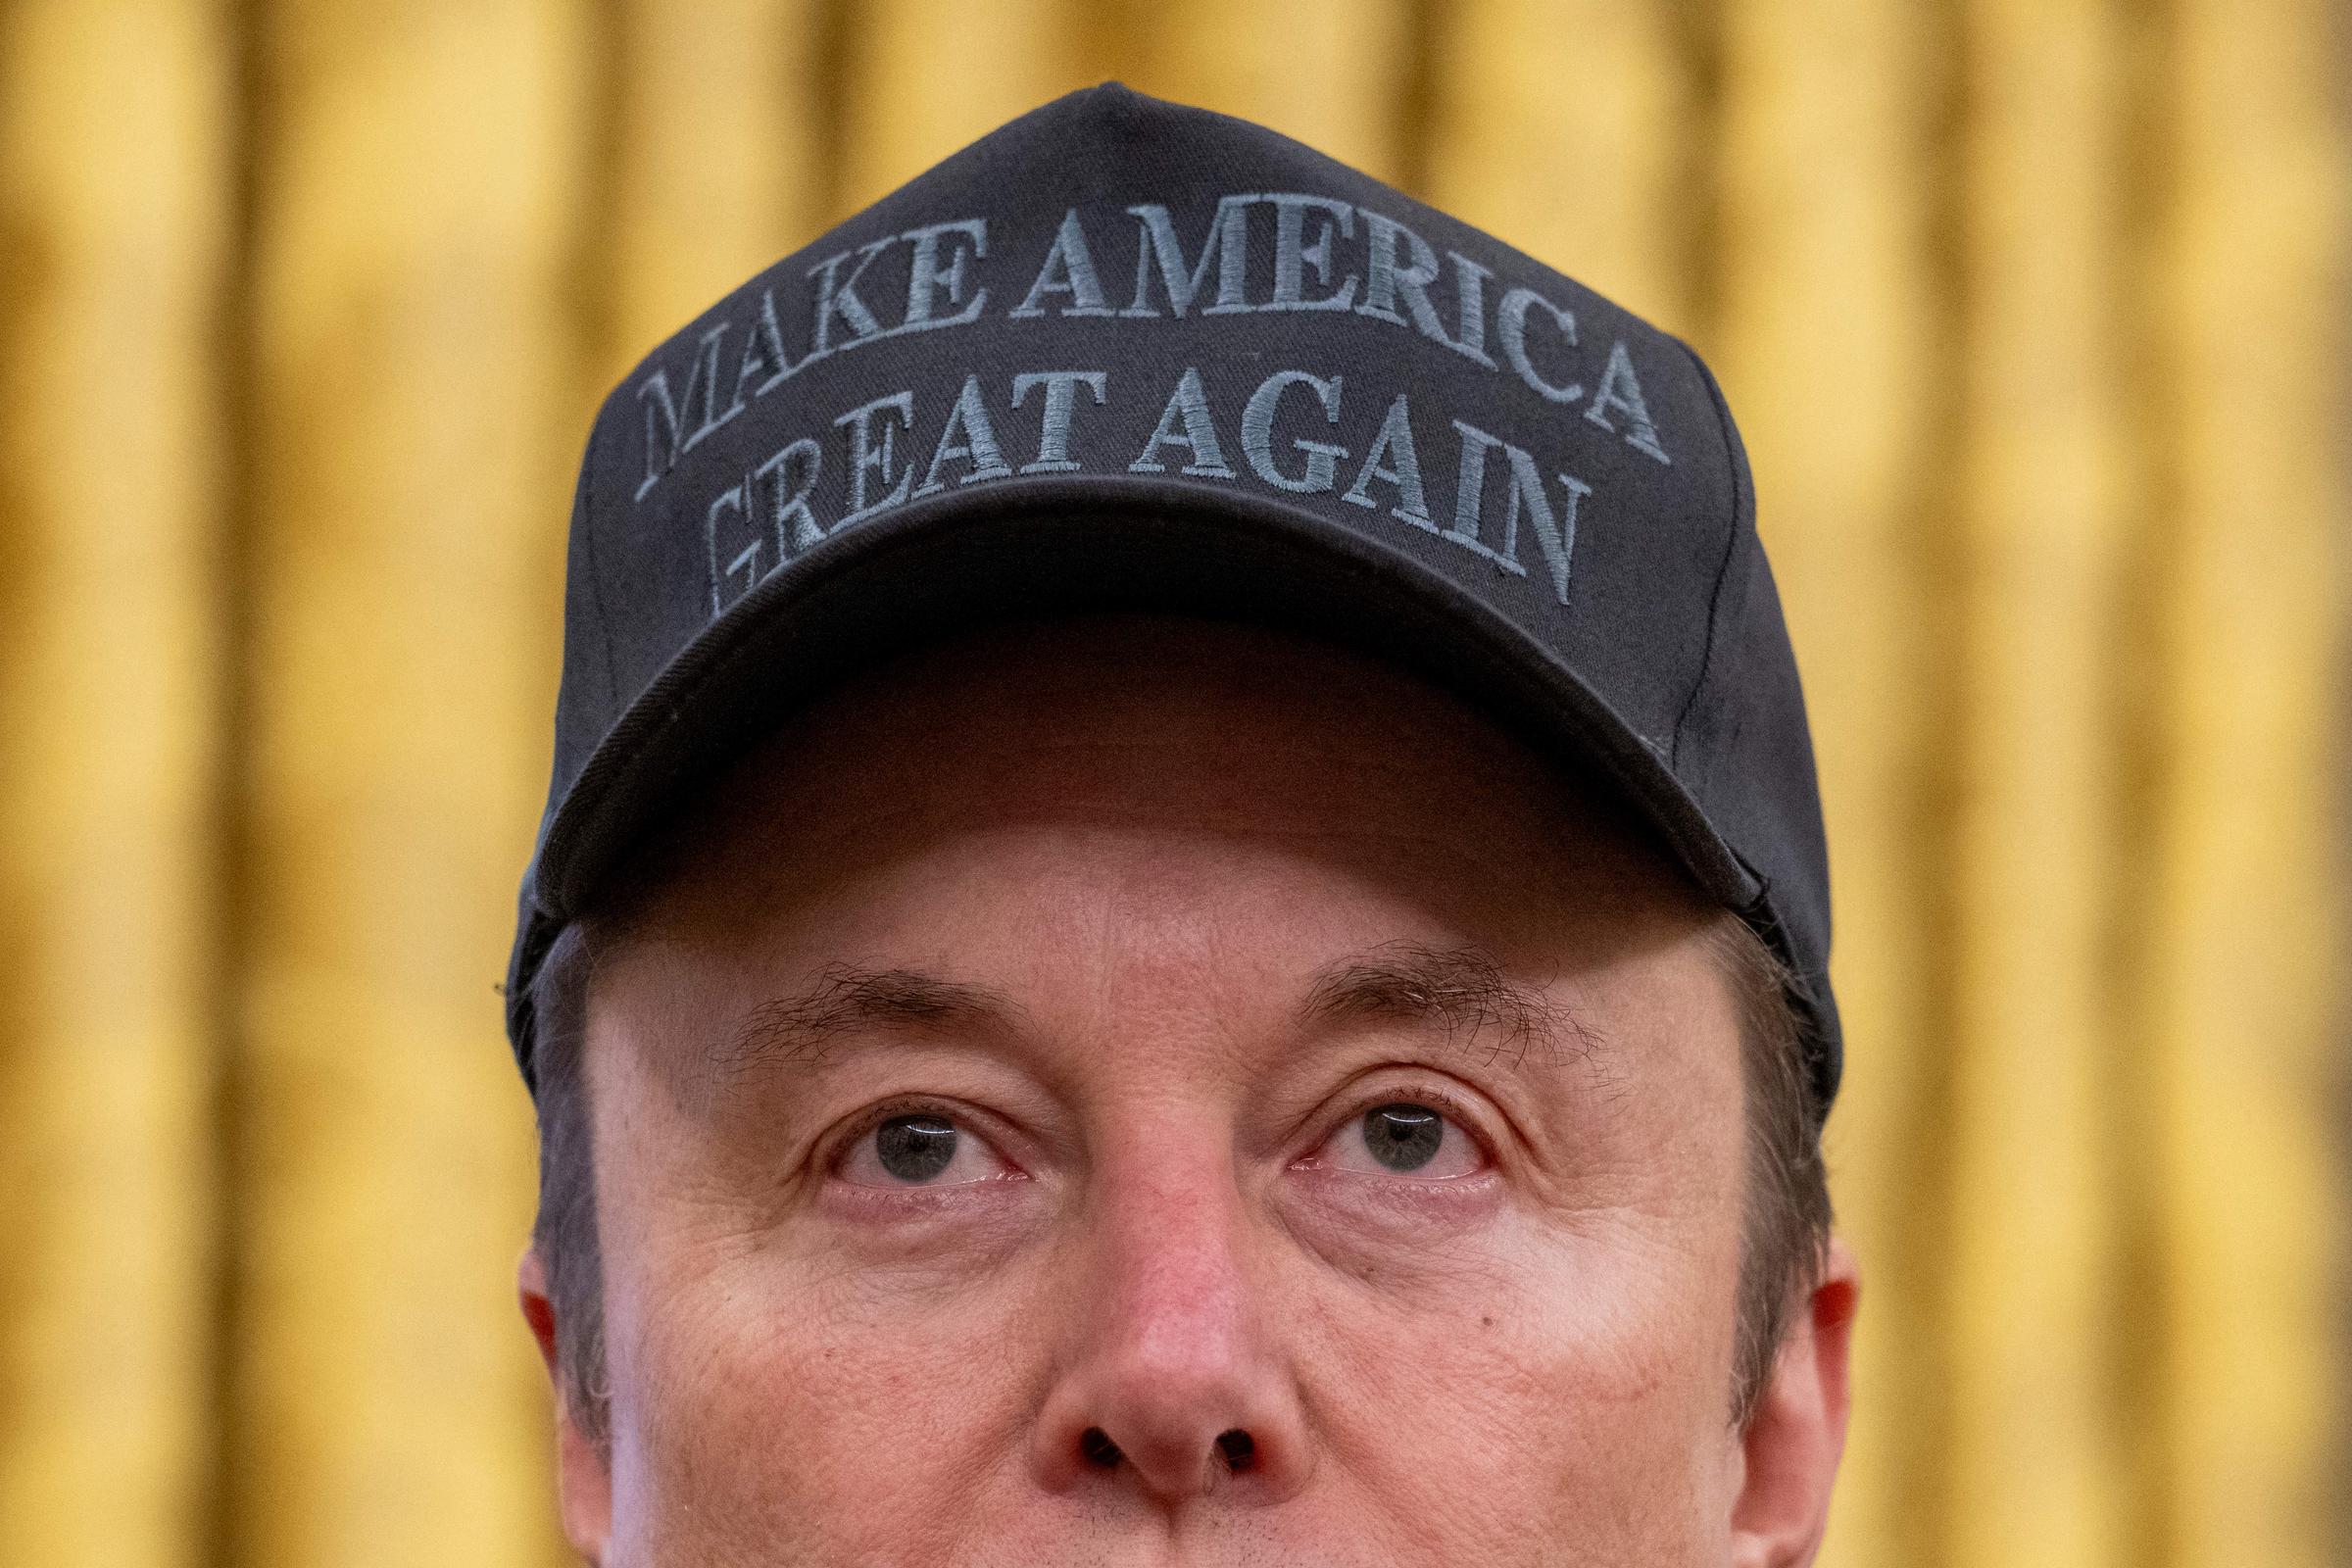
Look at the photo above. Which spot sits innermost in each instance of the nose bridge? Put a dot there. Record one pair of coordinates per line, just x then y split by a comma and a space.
1172, 1383
1170, 1255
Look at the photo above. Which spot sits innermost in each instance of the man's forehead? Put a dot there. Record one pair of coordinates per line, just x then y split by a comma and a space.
1460, 993
1151, 718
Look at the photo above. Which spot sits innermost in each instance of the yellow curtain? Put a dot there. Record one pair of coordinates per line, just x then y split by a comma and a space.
2031, 310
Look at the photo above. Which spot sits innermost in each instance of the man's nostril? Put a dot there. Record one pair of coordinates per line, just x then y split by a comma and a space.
1096, 1445
1240, 1449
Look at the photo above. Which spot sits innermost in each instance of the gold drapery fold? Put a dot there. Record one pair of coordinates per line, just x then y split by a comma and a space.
418, 173
114, 235
2240, 936
2042, 499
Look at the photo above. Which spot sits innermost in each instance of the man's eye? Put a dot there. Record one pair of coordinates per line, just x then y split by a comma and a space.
1403, 1138
919, 1148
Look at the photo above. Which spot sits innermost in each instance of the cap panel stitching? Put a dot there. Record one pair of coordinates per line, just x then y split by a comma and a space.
596, 570
1741, 506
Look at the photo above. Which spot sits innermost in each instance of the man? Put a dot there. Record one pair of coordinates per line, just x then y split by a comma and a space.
1182, 918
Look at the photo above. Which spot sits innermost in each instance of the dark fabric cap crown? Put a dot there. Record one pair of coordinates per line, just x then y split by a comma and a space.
1123, 354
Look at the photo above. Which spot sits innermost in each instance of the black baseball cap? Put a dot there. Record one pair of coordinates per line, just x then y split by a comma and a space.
1123, 354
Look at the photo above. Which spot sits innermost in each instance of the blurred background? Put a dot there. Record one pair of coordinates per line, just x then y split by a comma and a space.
2033, 311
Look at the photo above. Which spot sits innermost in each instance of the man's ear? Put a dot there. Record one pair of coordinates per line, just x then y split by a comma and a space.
1790, 1449
583, 1478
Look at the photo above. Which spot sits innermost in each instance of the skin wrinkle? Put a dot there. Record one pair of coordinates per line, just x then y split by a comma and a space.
1460, 991
1159, 975
847, 997
1462, 988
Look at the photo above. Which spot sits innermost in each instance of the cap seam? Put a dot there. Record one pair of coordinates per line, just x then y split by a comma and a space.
1722, 570
596, 572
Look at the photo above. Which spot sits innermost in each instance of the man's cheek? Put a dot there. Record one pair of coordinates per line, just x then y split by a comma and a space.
1597, 1347
792, 1381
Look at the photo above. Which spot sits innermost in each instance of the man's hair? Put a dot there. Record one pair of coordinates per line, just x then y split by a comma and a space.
1784, 1227
564, 1233
1784, 1223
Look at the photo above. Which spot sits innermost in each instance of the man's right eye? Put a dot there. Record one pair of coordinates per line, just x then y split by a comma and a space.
1403, 1138
921, 1148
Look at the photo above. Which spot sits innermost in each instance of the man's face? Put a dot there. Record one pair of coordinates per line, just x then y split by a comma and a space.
1138, 1092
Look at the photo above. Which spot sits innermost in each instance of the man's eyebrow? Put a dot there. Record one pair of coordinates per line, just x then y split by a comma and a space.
1462, 991
847, 998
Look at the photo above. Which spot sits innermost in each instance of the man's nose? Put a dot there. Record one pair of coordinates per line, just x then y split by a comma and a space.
1171, 1383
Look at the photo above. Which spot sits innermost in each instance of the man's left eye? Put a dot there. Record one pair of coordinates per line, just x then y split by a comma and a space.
921, 1148
1402, 1138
